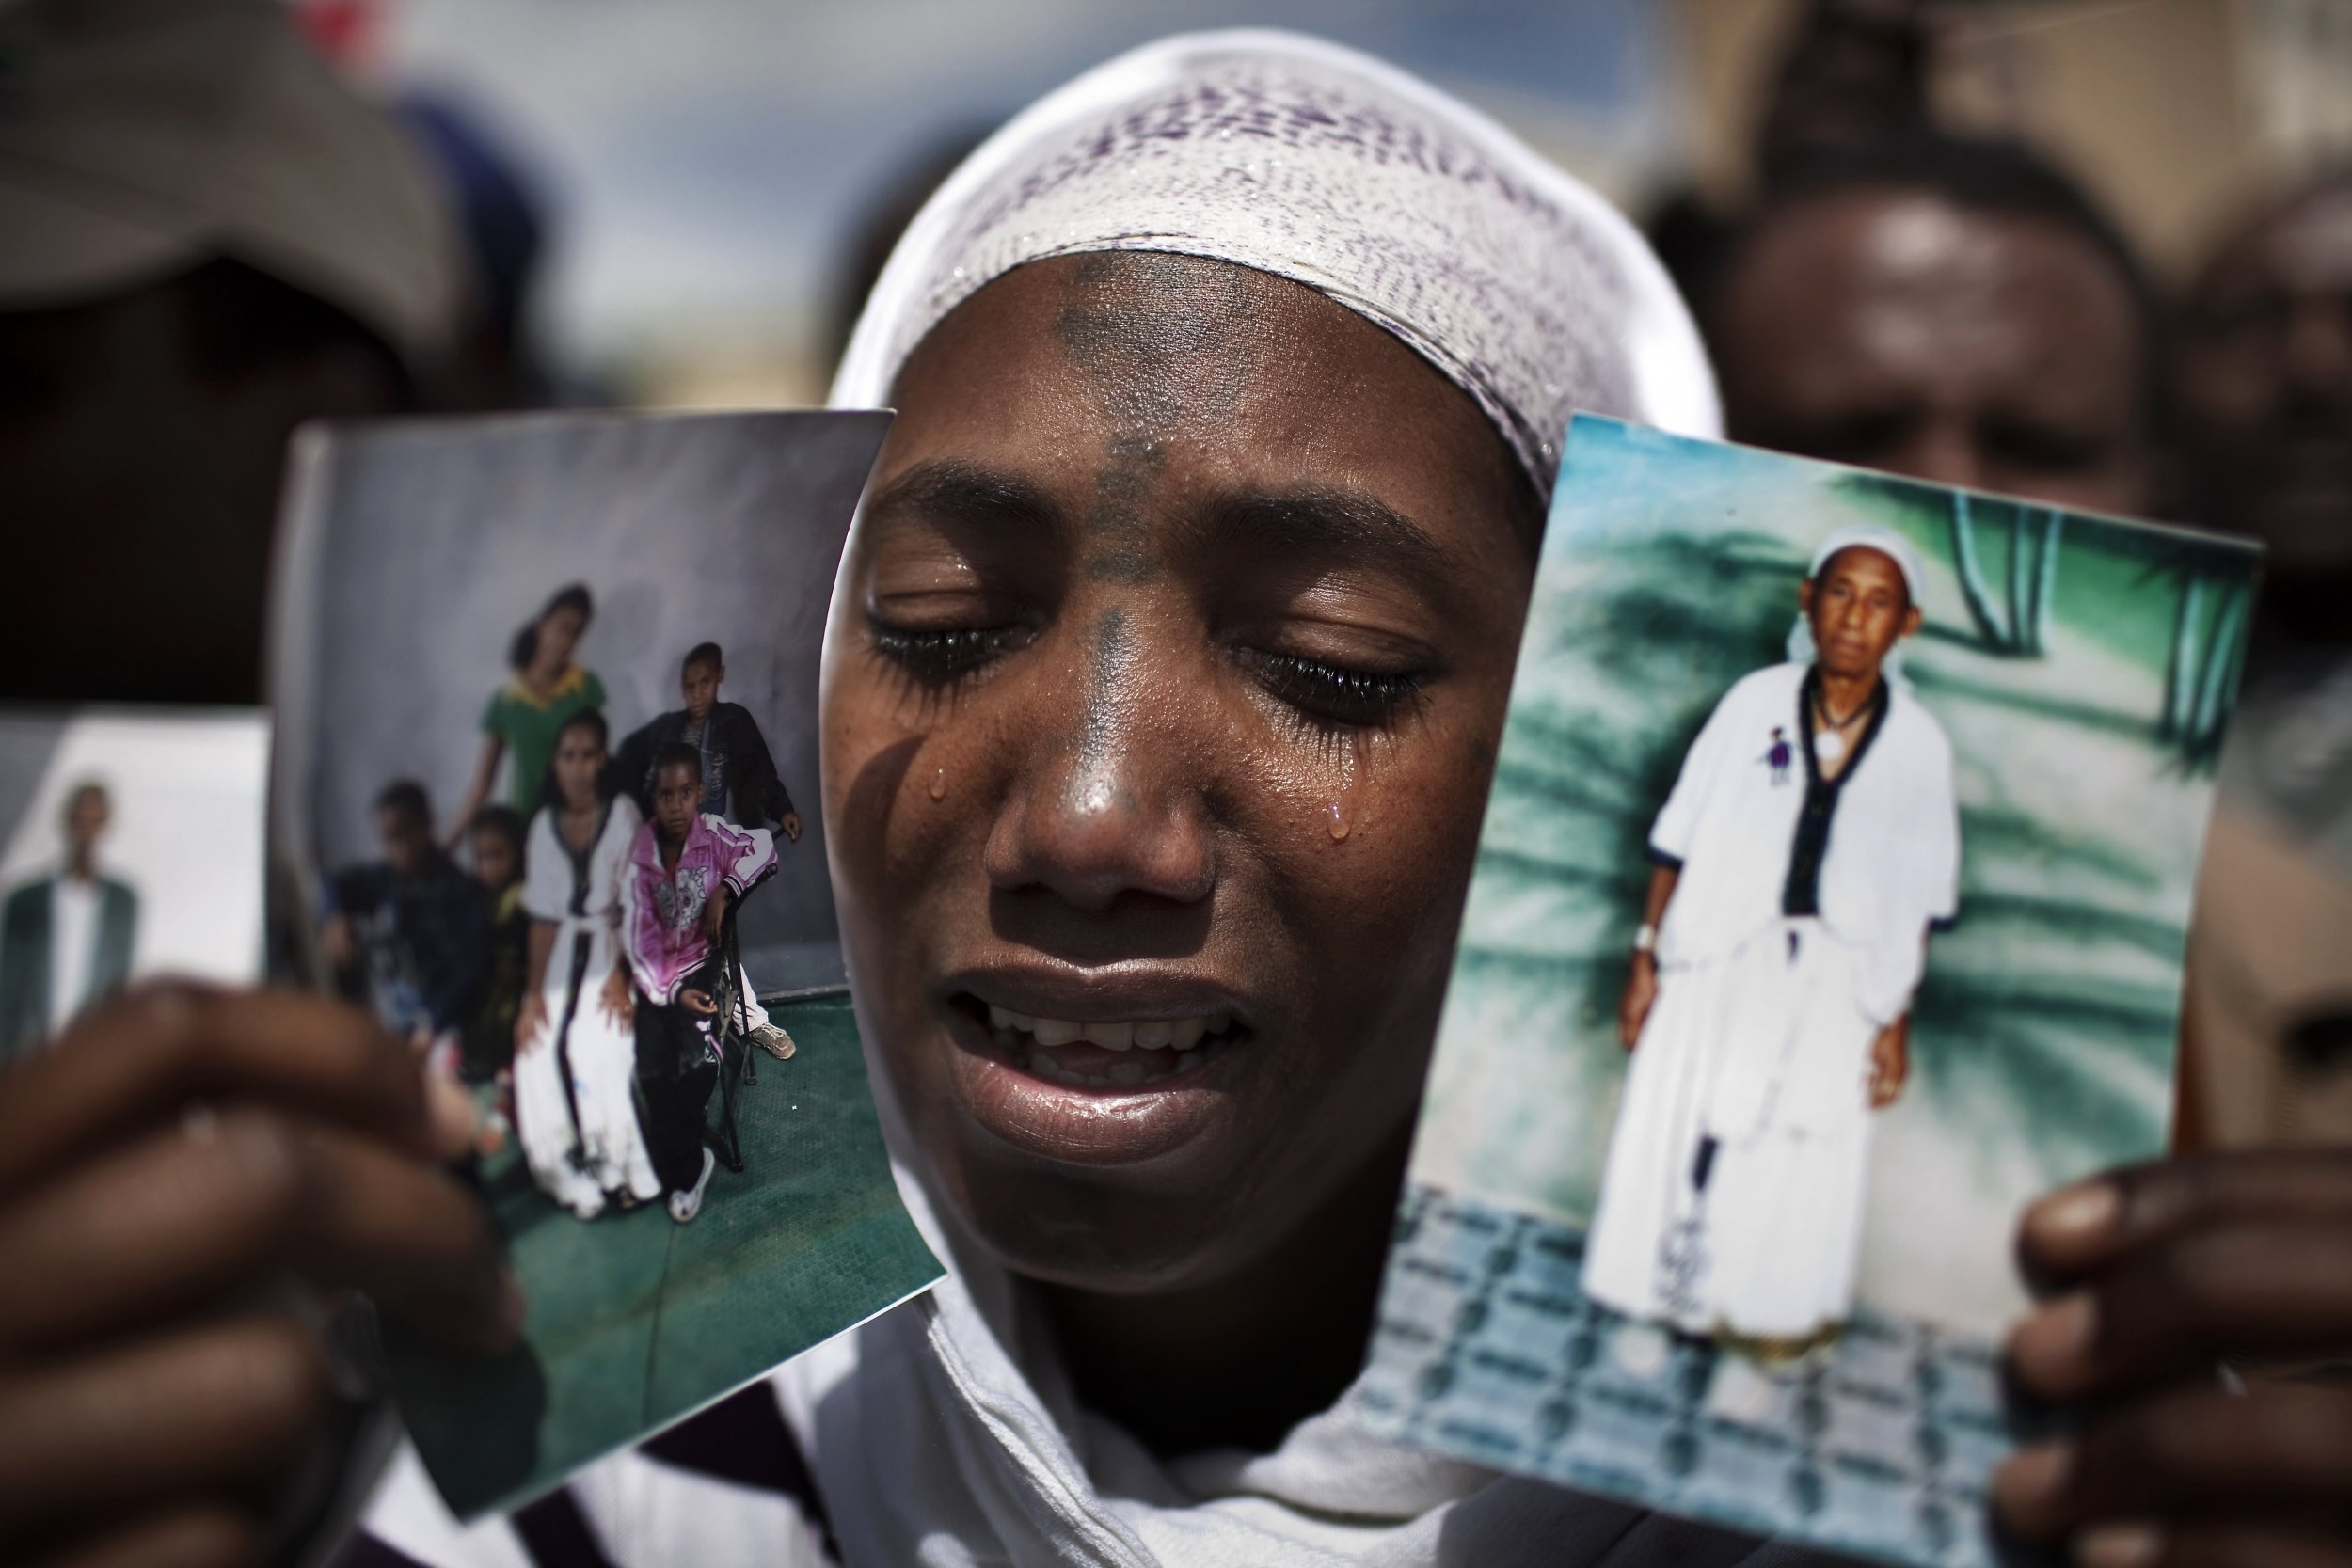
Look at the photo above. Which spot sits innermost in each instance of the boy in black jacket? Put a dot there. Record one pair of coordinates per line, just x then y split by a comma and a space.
738, 775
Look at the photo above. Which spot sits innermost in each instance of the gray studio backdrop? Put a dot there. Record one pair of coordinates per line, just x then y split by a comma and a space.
416, 549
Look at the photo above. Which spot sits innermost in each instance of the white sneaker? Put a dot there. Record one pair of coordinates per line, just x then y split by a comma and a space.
686, 1204
772, 1039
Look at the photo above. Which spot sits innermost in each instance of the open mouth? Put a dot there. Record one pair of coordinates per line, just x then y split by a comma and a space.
1109, 1054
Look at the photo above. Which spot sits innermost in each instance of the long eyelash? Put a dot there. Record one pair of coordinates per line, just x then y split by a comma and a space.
947, 656
1328, 697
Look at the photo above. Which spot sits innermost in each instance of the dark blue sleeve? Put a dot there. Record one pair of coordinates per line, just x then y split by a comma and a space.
464, 944
758, 782
625, 774
358, 889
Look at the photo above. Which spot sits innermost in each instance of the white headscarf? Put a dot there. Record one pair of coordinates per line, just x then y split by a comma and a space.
1869, 537
1326, 166
944, 1432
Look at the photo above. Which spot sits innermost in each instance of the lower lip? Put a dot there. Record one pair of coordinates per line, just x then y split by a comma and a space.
1117, 1126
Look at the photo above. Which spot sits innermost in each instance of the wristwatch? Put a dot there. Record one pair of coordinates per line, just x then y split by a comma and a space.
1645, 938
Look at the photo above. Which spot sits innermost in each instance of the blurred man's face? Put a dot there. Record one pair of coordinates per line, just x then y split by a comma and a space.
2264, 380
86, 819
678, 794
117, 444
1892, 330
496, 865
700, 688
407, 838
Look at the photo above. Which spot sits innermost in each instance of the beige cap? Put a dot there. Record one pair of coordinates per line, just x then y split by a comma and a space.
138, 138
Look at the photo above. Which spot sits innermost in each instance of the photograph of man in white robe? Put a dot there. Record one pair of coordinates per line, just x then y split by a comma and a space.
1809, 845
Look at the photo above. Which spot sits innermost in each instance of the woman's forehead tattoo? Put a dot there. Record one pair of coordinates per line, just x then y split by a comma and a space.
1117, 537
1162, 339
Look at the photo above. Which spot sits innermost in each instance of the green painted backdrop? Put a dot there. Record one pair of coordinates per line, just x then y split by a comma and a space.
2081, 667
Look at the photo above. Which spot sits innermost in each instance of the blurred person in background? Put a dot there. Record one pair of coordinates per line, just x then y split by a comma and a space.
206, 239
2263, 378
494, 362
1955, 311
1850, 72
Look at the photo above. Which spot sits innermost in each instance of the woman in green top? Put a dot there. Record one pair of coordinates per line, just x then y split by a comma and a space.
525, 712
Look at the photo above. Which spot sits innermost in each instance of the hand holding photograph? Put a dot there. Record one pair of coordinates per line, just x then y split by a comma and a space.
1830, 906
590, 895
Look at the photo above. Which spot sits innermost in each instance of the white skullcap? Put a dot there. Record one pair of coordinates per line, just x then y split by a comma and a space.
1874, 536
1314, 163
140, 137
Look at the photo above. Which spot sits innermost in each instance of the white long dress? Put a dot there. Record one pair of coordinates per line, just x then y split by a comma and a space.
1732, 1200
575, 1104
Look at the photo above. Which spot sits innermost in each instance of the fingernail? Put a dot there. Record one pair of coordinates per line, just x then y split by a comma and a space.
2051, 1348
2078, 1213
451, 1117
2030, 1484
2126, 1546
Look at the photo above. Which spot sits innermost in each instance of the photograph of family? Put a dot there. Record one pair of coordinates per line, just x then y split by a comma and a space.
584, 958
548, 685
1807, 944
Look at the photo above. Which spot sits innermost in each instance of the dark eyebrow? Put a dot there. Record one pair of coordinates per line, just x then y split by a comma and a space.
1332, 523
948, 488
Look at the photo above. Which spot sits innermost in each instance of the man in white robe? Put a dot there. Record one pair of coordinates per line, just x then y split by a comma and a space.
1811, 841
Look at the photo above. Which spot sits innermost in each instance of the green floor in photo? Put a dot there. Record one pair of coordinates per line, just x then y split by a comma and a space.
636, 1319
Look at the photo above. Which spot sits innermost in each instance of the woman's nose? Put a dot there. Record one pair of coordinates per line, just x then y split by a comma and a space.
1108, 797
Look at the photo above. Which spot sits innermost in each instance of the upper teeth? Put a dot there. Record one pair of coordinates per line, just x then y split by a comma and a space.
1157, 1034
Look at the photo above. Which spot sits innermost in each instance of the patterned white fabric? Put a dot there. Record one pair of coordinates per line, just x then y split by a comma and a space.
575, 1112
1316, 164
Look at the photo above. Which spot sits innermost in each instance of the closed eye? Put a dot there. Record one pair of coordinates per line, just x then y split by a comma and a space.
944, 656
1333, 695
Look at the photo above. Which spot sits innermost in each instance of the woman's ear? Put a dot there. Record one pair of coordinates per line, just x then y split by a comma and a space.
1913, 619
1805, 598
